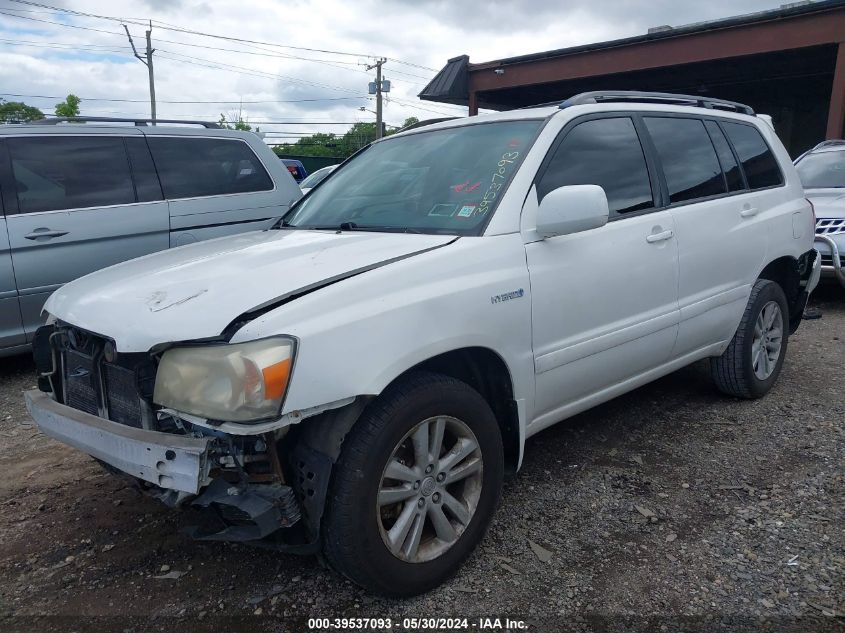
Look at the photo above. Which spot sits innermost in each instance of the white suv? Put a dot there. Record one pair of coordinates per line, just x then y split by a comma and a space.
357, 379
822, 170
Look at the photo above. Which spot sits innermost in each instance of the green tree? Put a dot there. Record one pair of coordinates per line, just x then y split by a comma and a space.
68, 107
411, 120
18, 112
240, 124
334, 145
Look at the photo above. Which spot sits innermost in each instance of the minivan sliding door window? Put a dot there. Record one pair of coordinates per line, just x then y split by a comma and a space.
71, 172
196, 167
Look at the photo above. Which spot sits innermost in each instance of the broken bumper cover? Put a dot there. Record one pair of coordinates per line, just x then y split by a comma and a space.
166, 460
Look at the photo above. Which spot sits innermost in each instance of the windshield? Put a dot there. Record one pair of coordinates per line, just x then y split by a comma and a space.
316, 177
441, 181
822, 170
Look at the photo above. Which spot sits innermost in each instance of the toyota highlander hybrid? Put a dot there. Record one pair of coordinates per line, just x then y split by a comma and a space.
357, 379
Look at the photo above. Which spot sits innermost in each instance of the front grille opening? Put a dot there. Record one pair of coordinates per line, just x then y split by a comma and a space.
829, 226
111, 389
80, 382
122, 397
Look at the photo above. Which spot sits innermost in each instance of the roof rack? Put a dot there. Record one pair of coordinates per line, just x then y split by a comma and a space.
830, 143
424, 122
106, 119
657, 97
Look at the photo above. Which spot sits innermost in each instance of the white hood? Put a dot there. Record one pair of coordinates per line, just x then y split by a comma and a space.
828, 203
195, 291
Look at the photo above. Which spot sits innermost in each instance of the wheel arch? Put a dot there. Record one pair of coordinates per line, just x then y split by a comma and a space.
487, 372
316, 443
481, 368
785, 272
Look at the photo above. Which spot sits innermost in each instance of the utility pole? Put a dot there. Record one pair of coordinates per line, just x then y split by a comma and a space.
379, 125
147, 60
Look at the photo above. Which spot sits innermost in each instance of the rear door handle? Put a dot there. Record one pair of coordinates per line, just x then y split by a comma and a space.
44, 233
660, 237
749, 212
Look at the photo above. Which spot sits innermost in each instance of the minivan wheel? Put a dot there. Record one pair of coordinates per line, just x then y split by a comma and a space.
752, 362
418, 480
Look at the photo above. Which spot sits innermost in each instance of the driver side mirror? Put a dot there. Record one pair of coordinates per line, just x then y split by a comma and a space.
572, 209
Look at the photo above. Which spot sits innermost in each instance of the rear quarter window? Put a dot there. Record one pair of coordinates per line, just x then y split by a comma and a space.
191, 167
758, 162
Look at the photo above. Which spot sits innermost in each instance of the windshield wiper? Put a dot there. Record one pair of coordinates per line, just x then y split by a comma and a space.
352, 226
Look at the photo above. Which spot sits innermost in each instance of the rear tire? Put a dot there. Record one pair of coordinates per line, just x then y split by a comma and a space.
363, 536
751, 364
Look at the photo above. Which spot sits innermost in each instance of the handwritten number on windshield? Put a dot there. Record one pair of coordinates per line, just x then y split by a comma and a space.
500, 175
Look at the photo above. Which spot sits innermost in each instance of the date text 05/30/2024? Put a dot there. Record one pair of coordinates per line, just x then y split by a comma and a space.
409, 624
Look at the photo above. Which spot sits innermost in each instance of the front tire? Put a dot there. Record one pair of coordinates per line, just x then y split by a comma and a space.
751, 364
415, 488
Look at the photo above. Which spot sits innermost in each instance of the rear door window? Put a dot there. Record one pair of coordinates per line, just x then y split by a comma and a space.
759, 164
193, 167
70, 172
688, 158
604, 152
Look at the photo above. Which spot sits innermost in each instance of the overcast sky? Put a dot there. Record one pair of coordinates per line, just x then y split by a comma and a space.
51, 53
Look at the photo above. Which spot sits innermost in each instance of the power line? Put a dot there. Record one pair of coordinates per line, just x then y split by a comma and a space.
175, 28
11, 94
71, 26
64, 45
210, 63
104, 48
411, 104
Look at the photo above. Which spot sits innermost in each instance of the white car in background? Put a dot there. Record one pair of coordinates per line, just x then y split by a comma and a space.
822, 172
316, 178
356, 380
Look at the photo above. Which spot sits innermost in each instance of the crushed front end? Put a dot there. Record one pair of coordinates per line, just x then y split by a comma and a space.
253, 488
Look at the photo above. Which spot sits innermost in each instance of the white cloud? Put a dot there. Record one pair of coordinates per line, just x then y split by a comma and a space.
99, 63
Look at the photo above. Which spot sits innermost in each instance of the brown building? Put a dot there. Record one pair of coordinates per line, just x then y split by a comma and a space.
787, 62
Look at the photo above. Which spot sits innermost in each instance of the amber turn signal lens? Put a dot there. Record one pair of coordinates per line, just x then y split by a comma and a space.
276, 379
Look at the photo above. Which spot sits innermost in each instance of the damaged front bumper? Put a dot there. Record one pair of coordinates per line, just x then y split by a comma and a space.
184, 467
169, 461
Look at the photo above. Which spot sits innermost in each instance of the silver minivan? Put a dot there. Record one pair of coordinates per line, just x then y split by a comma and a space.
75, 198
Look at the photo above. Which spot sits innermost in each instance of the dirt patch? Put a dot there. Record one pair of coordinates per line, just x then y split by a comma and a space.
670, 504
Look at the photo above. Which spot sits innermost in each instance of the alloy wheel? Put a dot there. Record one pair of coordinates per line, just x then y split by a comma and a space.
429, 489
767, 341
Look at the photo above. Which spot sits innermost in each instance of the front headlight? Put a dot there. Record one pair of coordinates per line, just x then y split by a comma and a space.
236, 383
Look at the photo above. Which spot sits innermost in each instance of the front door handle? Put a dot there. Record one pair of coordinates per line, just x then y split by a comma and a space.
660, 237
749, 212
44, 232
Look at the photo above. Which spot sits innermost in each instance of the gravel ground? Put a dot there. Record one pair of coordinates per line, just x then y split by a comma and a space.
669, 508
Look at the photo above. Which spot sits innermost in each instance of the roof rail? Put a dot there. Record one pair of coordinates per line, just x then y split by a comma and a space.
545, 104
424, 122
107, 119
601, 96
830, 143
